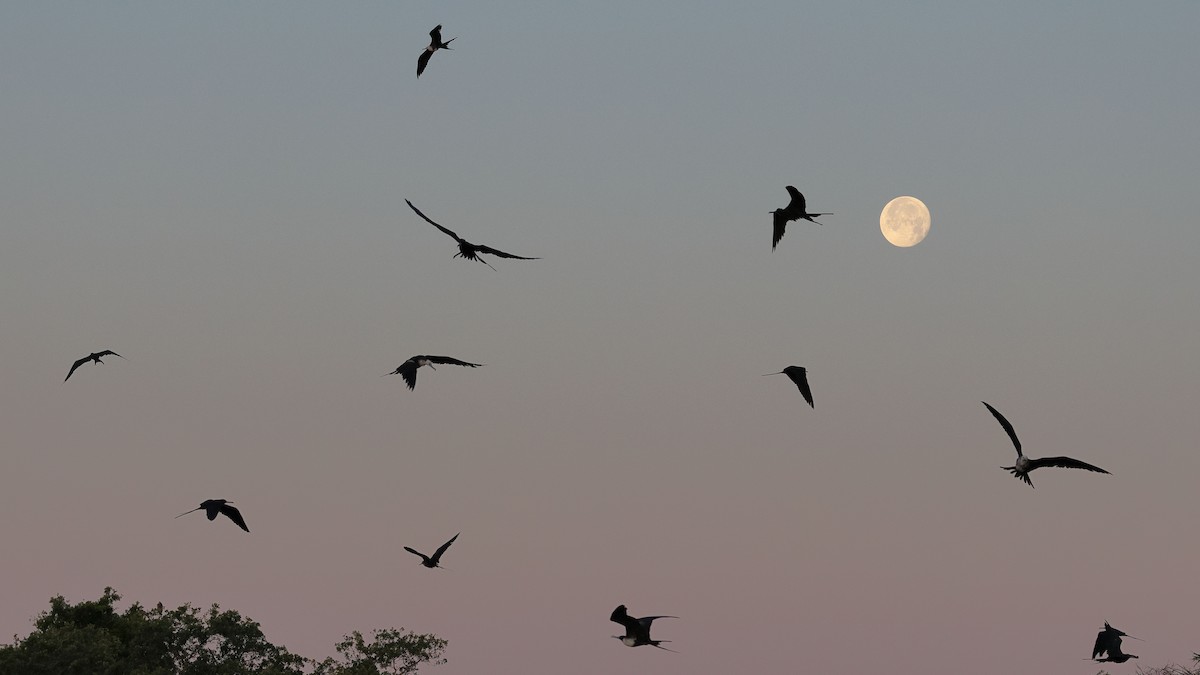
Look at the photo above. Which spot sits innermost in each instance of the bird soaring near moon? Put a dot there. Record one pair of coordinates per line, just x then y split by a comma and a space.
795, 210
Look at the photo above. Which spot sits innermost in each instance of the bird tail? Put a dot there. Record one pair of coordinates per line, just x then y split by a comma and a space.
446, 44
657, 643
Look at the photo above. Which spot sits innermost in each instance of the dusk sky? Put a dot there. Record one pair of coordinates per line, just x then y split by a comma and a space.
216, 191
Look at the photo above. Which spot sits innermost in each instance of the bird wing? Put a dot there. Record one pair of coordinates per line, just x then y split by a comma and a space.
437, 555
107, 352
422, 61
644, 625
233, 514
452, 362
621, 616
1007, 427
1102, 643
436, 34
1065, 463
797, 199
780, 227
408, 370
800, 377
502, 254
410, 205
78, 363
416, 552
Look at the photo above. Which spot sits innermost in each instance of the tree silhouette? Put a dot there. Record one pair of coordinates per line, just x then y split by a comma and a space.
92, 638
1170, 669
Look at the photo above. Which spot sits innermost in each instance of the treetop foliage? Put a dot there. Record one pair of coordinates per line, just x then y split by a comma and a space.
93, 638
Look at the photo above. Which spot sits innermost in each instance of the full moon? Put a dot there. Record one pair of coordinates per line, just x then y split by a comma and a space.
904, 221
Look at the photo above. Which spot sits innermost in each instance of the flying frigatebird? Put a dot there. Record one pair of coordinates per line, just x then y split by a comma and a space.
431, 561
222, 506
465, 248
94, 357
637, 631
795, 210
1024, 464
408, 369
435, 44
799, 375
1108, 641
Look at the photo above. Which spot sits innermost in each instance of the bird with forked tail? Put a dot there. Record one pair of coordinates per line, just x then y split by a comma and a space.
435, 43
1024, 464
213, 507
637, 630
795, 210
466, 249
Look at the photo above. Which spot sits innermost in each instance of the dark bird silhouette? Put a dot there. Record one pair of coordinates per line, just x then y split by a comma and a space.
408, 369
95, 357
435, 44
214, 506
1109, 641
795, 210
799, 375
1024, 464
637, 631
431, 561
465, 248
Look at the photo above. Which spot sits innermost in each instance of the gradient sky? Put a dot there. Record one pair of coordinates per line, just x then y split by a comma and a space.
216, 191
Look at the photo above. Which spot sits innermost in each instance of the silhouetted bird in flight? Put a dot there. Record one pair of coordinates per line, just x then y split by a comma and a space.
431, 561
90, 357
799, 375
793, 211
1024, 464
214, 506
465, 248
408, 369
435, 44
1109, 641
637, 631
